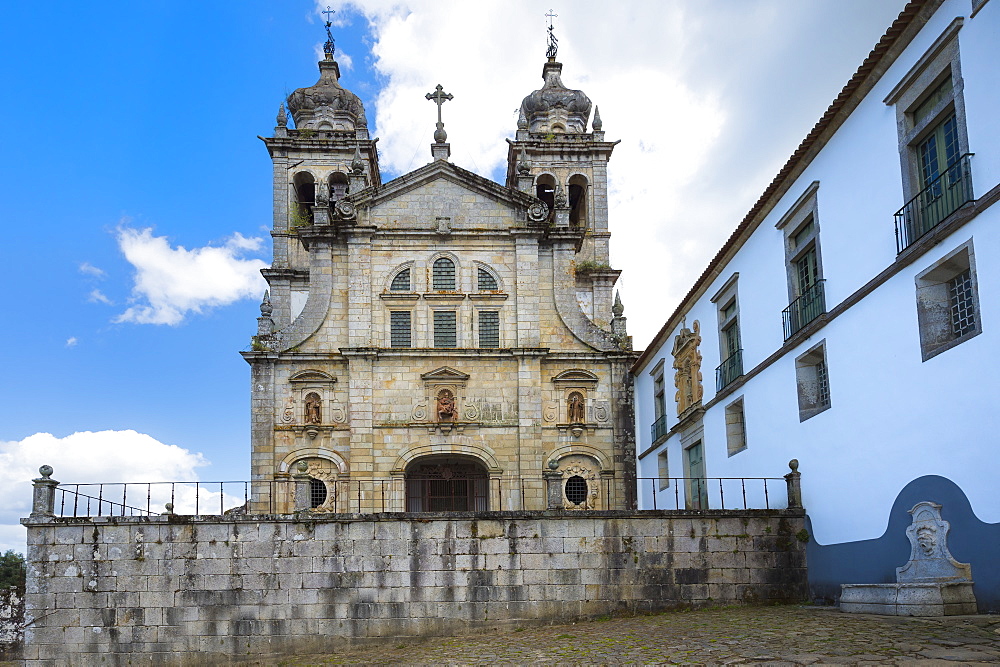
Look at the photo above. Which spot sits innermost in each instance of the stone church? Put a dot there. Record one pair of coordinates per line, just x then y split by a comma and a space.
440, 341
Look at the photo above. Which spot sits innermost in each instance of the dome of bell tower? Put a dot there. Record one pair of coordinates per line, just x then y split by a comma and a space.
327, 105
554, 108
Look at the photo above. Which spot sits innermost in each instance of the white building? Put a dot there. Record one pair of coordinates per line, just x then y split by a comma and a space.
850, 322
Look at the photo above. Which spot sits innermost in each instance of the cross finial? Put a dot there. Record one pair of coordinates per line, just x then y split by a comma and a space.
439, 97
329, 47
553, 47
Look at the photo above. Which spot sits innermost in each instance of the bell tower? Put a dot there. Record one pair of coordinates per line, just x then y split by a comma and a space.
327, 155
555, 158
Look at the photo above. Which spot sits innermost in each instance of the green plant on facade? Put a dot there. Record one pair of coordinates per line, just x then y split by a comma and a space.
590, 265
299, 215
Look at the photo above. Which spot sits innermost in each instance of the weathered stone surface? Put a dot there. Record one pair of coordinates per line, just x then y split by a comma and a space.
347, 578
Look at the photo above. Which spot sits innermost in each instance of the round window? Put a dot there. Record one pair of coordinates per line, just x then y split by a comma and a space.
317, 492
576, 489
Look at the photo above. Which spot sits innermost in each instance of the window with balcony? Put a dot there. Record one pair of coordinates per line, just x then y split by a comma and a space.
730, 350
659, 429
807, 299
812, 379
933, 140
948, 302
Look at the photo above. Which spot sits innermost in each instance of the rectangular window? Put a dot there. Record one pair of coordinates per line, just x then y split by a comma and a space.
659, 430
489, 328
399, 323
736, 435
948, 302
730, 351
812, 381
803, 262
663, 471
445, 328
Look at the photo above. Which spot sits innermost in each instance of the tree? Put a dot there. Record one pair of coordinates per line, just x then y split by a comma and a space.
12, 570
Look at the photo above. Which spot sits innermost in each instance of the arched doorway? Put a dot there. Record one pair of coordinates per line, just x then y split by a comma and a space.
446, 484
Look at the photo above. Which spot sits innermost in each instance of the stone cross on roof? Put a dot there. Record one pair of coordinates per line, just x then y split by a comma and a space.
329, 48
553, 47
439, 97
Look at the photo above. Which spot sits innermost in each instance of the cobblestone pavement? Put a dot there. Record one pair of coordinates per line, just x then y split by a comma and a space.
788, 635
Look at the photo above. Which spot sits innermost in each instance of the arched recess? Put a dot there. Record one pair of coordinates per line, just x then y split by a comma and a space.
487, 456
560, 453
304, 194
286, 464
545, 189
339, 186
578, 215
447, 483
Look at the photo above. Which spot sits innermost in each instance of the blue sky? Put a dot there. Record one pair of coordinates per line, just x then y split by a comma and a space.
123, 117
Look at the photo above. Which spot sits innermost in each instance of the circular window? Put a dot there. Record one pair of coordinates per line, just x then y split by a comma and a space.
317, 492
576, 489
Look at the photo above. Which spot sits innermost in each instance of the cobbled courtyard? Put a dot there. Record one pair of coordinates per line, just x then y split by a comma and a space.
789, 635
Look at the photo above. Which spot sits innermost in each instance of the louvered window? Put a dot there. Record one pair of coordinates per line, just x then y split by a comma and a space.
401, 283
489, 328
444, 275
399, 334
487, 283
445, 324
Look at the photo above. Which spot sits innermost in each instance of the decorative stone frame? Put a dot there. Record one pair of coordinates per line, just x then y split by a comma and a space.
435, 381
801, 213
940, 60
332, 412
687, 370
577, 381
934, 301
736, 430
810, 401
577, 464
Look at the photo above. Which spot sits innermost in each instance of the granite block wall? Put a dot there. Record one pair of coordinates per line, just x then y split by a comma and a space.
192, 590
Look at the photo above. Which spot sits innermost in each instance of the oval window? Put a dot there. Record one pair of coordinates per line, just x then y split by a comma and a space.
576, 489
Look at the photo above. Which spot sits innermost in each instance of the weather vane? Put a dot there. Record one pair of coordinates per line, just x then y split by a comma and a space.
553, 47
329, 48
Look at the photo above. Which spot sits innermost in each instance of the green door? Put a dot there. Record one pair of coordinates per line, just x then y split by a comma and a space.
697, 487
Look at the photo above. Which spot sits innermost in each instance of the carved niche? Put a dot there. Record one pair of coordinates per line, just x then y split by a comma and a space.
687, 368
574, 389
444, 390
581, 482
312, 397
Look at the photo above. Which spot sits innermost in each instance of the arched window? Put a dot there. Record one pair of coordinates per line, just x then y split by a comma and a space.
317, 493
444, 274
401, 282
487, 283
338, 186
577, 200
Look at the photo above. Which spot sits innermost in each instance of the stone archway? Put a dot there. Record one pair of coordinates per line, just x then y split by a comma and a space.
447, 483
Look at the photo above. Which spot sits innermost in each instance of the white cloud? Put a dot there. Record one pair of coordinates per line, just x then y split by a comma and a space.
172, 282
89, 269
71, 341
84, 457
97, 296
708, 100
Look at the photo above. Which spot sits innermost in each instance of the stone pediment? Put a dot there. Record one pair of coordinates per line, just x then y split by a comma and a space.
430, 177
576, 375
444, 374
312, 376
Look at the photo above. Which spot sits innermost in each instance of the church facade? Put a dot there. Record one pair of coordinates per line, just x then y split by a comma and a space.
440, 341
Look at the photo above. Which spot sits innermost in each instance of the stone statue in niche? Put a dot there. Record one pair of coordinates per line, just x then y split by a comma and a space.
446, 406
577, 408
314, 413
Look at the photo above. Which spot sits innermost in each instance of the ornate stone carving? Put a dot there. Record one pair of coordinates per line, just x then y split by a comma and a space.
288, 412
357, 164
338, 413
345, 210
314, 412
446, 406
930, 559
419, 413
602, 411
470, 412
687, 368
538, 212
550, 411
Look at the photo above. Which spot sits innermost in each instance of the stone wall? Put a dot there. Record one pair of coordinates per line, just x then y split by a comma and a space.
182, 590
11, 622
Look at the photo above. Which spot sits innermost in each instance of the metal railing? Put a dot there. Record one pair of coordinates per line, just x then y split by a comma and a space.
701, 493
804, 309
659, 428
729, 370
942, 197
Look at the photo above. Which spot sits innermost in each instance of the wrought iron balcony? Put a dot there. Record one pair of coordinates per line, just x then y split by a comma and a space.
804, 309
659, 428
945, 195
729, 370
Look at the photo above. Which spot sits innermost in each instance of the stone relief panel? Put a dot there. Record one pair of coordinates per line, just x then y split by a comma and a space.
550, 411
602, 411
687, 368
